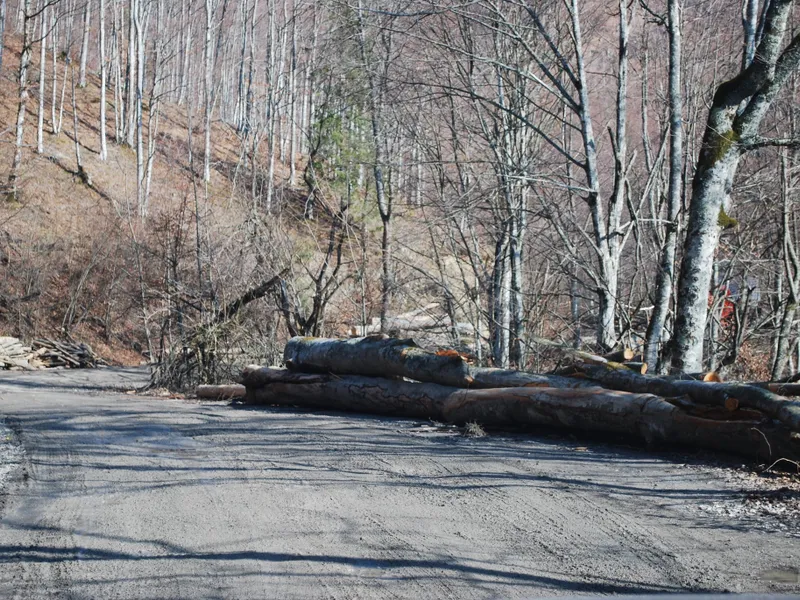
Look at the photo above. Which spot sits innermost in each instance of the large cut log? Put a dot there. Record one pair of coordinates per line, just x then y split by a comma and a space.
347, 392
624, 355
377, 356
783, 389
748, 396
220, 392
643, 416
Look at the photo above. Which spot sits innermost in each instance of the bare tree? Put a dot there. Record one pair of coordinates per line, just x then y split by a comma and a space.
732, 128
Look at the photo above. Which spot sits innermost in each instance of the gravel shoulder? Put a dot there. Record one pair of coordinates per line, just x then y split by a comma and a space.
106, 494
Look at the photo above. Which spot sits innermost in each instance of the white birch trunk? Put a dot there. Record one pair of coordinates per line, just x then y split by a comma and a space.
22, 80
103, 82
87, 20
42, 86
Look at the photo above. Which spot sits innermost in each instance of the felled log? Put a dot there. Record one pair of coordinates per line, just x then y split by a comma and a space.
708, 376
624, 355
644, 416
748, 396
384, 357
595, 359
220, 392
783, 389
377, 356
638, 367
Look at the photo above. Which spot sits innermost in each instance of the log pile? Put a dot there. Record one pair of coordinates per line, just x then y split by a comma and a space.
395, 377
46, 354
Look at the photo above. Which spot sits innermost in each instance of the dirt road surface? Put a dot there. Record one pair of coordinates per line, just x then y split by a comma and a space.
108, 495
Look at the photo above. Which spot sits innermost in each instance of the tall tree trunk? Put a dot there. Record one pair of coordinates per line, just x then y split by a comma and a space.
608, 262
138, 24
379, 153
42, 70
130, 76
3, 13
22, 104
738, 107
103, 82
87, 20
207, 91
293, 102
666, 275
501, 300
791, 266
54, 50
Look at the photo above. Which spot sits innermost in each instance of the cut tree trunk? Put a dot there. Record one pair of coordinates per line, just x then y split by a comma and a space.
783, 389
220, 392
749, 396
379, 356
644, 416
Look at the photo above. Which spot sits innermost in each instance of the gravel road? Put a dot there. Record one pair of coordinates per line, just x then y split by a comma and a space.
108, 495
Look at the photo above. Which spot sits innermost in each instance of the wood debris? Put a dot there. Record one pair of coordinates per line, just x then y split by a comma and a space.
46, 353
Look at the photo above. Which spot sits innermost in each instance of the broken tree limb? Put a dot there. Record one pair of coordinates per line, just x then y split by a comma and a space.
377, 356
233, 307
220, 392
643, 416
748, 396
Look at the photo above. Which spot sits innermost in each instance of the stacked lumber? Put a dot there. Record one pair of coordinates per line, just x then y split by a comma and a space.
46, 354
396, 377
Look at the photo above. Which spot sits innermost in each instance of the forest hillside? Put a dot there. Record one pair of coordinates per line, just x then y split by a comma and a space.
194, 182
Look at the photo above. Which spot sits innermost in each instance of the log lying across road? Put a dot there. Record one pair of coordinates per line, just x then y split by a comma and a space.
644, 416
381, 356
388, 376
748, 396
